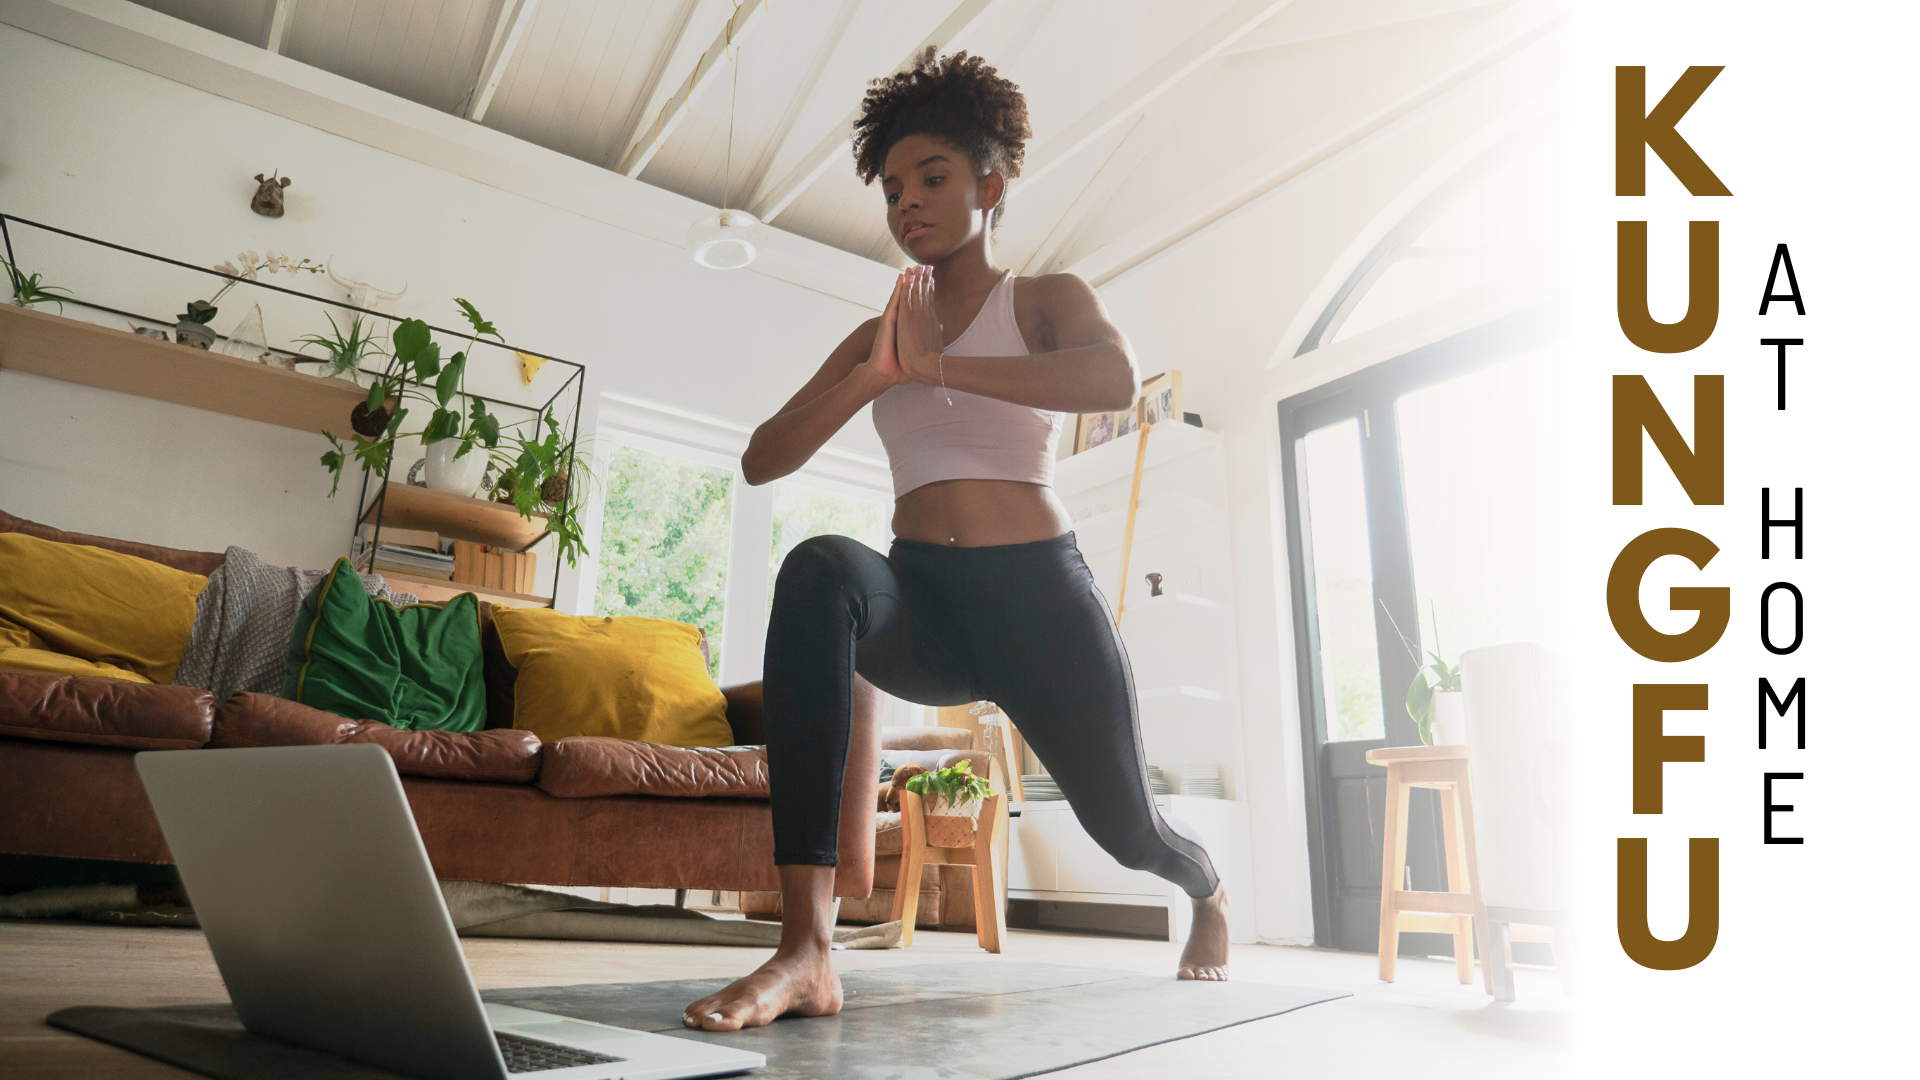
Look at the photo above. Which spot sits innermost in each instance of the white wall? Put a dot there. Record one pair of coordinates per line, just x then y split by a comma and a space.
107, 150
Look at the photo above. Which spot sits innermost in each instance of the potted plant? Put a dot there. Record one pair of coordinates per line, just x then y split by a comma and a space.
194, 326
1434, 702
346, 350
27, 289
533, 464
953, 796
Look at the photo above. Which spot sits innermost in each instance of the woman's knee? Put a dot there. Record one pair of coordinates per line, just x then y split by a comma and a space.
829, 562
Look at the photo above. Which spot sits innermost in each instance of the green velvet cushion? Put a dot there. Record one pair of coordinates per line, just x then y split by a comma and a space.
415, 668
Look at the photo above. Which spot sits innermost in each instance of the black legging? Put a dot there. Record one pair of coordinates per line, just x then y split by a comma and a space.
1020, 625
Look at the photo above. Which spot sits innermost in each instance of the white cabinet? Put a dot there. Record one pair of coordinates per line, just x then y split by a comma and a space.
1052, 858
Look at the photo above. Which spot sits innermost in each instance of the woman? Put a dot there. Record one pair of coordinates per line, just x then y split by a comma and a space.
984, 595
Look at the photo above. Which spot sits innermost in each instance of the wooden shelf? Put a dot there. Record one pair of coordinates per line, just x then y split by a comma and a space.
437, 591
93, 355
1111, 461
455, 517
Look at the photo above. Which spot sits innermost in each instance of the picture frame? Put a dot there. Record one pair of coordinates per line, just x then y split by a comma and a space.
1097, 429
1160, 401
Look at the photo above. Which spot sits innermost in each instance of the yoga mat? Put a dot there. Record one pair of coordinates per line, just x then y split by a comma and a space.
977, 1021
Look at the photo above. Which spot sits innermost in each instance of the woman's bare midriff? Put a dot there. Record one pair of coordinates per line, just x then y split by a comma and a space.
980, 513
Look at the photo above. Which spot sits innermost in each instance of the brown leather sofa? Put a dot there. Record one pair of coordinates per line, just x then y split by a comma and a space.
494, 805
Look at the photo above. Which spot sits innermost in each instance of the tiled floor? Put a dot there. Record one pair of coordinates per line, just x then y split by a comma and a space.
1426, 1024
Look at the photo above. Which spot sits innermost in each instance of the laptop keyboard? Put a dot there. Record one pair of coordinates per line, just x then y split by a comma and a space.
531, 1055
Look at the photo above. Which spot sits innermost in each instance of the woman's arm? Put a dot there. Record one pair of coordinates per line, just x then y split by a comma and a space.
1089, 369
863, 367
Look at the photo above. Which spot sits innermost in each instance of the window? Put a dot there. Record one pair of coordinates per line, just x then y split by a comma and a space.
802, 511
1342, 581
683, 536
663, 541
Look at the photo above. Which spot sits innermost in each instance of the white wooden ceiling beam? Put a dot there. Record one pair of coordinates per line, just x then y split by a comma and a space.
654, 131
1232, 192
779, 195
1126, 103
797, 102
277, 29
509, 27
1141, 140
1359, 18
647, 102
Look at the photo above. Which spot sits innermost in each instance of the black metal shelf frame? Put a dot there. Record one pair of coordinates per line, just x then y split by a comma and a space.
575, 382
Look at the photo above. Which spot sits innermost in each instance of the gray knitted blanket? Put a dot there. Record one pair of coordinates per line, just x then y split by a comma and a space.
244, 620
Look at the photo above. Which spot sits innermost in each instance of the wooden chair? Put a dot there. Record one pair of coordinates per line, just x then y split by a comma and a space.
1460, 911
989, 904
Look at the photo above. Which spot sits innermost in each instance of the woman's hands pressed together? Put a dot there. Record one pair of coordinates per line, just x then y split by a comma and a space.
917, 330
883, 360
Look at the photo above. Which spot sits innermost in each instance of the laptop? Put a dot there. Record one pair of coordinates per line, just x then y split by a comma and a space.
308, 875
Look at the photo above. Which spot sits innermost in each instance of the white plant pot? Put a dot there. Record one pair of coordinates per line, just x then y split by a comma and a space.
1449, 727
457, 476
942, 808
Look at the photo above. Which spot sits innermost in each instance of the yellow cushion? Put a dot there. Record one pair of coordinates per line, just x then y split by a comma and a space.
623, 677
95, 605
26, 659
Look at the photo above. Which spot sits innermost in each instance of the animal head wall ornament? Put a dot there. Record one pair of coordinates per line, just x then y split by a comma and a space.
269, 200
359, 293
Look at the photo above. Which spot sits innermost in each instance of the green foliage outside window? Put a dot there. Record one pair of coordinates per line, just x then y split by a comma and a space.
664, 539
801, 513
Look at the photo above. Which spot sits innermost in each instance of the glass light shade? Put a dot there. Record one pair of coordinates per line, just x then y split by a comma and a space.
727, 239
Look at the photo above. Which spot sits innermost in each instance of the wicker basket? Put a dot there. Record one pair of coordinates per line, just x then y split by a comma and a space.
951, 830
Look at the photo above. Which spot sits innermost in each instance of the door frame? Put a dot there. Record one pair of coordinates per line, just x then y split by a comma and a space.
1369, 395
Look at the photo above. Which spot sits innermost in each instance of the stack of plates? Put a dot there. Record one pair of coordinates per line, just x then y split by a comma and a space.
1201, 779
1161, 785
1040, 787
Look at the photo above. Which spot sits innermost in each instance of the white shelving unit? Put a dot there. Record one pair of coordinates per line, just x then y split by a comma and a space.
1184, 653
1052, 858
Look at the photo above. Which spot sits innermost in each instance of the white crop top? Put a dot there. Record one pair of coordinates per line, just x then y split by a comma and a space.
976, 437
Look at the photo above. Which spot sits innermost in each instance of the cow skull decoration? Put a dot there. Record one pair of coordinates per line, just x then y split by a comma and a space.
270, 200
359, 293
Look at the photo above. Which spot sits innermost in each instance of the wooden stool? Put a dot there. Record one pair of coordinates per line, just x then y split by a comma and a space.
1460, 911
989, 911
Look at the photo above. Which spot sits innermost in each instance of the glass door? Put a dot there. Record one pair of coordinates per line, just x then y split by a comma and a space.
1410, 506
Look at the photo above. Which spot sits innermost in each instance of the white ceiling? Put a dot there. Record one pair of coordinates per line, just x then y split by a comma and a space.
1148, 116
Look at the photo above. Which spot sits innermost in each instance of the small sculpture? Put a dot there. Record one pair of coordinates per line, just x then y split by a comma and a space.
359, 293
1154, 580
270, 200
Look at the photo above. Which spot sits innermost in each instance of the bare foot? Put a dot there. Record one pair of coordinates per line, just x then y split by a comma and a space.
1205, 956
792, 983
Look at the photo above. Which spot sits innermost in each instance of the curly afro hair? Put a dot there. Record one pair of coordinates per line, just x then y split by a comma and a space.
959, 98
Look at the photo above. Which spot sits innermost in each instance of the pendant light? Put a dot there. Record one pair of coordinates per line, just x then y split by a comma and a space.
728, 239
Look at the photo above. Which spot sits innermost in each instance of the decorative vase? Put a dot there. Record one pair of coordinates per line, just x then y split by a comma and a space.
248, 340
198, 335
1449, 727
457, 476
950, 825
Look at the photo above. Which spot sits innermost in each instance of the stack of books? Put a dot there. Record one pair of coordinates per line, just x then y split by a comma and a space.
493, 568
414, 552
1040, 787
1201, 779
